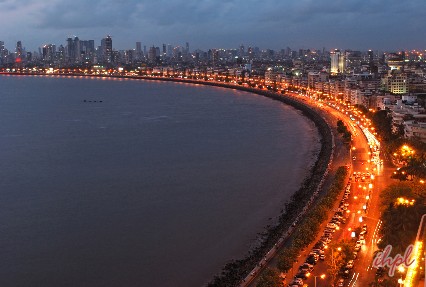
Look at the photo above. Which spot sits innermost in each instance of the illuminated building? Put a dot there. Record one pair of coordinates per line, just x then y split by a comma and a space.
337, 62
396, 82
106, 49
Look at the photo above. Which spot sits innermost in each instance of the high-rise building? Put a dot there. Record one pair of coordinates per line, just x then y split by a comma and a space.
250, 52
138, 50
106, 47
152, 54
60, 54
49, 52
2, 53
87, 50
169, 51
187, 48
18, 51
71, 56
338, 64
370, 57
164, 54
242, 51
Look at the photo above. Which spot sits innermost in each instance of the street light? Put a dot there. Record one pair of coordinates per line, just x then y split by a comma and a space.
322, 276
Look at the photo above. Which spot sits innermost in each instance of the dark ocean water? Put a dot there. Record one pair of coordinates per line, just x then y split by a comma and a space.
160, 184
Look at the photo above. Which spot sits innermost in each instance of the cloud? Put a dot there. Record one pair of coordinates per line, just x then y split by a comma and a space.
78, 14
225, 23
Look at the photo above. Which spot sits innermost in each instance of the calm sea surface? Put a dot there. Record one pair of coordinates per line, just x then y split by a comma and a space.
160, 184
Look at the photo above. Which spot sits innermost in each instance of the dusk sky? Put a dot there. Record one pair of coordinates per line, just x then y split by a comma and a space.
275, 24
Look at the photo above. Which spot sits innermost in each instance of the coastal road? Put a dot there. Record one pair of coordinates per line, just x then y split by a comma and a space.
363, 203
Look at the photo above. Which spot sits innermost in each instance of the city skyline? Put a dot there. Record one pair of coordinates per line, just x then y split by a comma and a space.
390, 25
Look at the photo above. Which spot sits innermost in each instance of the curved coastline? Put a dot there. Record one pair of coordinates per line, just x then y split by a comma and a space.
234, 272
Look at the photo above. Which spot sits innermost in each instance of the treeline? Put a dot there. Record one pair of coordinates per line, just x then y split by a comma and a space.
310, 228
343, 130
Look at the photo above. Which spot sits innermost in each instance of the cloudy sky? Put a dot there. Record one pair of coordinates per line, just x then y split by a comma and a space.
275, 24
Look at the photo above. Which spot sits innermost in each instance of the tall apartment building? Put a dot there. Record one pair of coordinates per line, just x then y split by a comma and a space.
106, 49
337, 62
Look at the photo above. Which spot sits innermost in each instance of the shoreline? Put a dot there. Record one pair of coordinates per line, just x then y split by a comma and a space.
275, 236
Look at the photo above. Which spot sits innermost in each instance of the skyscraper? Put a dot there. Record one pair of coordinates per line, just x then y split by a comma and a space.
370, 56
169, 51
138, 50
49, 52
337, 62
18, 51
152, 54
71, 50
2, 52
164, 54
187, 48
241, 51
77, 51
106, 47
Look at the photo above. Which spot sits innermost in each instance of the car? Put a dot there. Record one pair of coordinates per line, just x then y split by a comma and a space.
303, 275
346, 273
311, 260
357, 248
306, 267
297, 282
322, 257
354, 255
340, 282
318, 251
319, 245
315, 255
335, 221
325, 239
331, 225
350, 264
